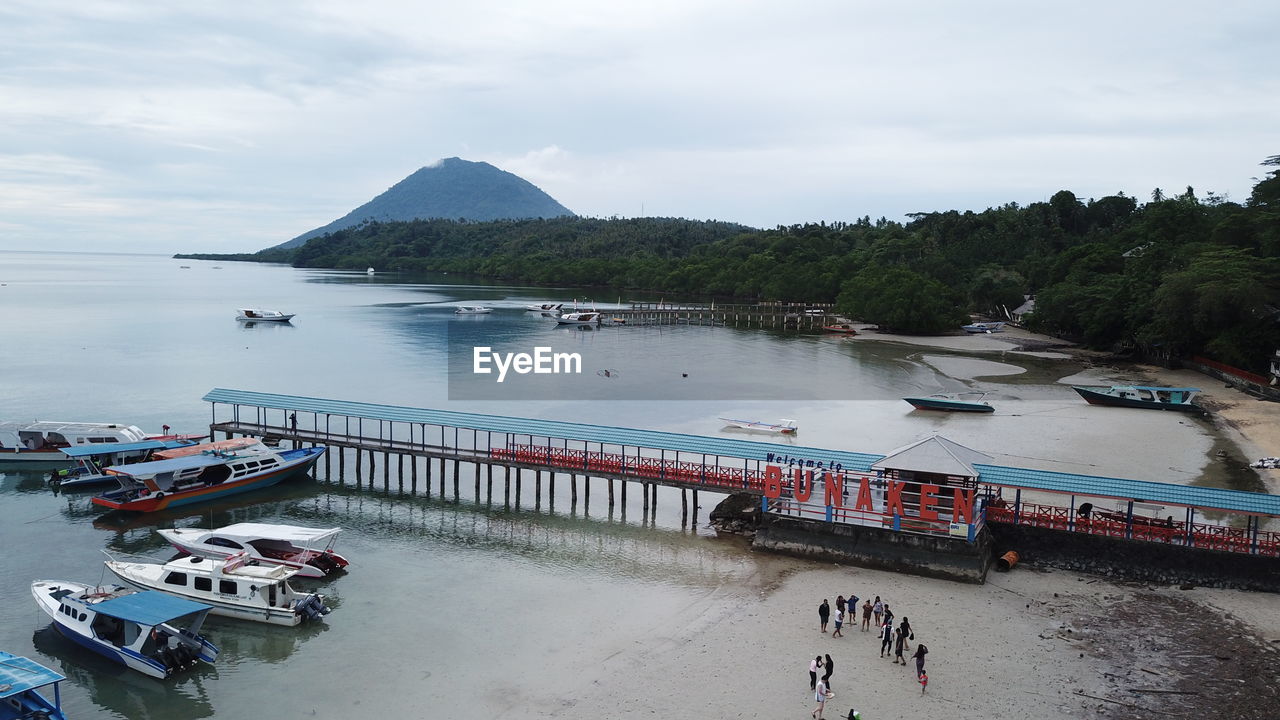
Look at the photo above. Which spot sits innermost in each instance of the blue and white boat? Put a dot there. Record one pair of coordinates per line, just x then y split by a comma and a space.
952, 403
983, 327
92, 459
151, 632
1143, 396
20, 681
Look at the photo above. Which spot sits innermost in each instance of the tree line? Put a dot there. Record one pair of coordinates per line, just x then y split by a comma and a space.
1170, 277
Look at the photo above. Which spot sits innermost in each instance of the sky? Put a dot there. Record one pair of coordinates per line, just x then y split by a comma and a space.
233, 126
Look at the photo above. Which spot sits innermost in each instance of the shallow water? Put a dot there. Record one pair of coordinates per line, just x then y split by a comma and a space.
463, 607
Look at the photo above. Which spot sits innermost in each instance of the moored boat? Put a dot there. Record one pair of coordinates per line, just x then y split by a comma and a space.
41, 442
20, 682
579, 318
260, 315
309, 551
90, 460
1142, 396
159, 484
472, 310
783, 426
232, 587
845, 329
544, 307
153, 633
983, 327
951, 403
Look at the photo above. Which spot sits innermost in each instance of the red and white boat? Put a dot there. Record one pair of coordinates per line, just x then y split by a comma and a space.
309, 551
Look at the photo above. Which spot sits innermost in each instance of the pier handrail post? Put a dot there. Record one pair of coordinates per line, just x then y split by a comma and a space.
1128, 522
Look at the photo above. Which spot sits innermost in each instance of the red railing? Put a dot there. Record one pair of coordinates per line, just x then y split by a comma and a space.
1202, 535
639, 466
1223, 367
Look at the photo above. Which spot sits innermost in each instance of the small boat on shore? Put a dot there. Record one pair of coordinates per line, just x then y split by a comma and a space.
232, 586
42, 442
472, 310
846, 329
308, 551
951, 403
782, 427
137, 629
20, 682
259, 315
1142, 396
983, 327
160, 484
1266, 463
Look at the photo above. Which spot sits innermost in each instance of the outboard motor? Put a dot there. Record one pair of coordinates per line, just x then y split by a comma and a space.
312, 607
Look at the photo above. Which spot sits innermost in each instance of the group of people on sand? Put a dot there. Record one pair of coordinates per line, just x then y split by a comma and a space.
894, 643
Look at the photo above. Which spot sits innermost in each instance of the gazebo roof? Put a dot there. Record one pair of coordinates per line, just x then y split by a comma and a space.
936, 455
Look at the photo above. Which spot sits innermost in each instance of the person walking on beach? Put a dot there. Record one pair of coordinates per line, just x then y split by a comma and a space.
886, 638
826, 676
820, 695
907, 633
839, 622
888, 614
866, 616
839, 603
921, 651
824, 612
897, 649
814, 665
878, 608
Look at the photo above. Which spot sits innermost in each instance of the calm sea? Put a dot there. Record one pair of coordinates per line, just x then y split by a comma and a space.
461, 609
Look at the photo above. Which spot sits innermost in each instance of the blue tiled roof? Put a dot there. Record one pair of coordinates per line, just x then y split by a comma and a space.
1166, 493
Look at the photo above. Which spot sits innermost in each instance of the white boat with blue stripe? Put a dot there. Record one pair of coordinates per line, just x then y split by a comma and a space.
153, 633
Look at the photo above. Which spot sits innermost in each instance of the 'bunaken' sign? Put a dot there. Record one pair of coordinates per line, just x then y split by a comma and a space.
896, 492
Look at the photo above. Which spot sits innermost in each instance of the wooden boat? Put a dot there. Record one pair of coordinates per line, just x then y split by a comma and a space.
951, 403
232, 587
783, 426
308, 551
259, 315
40, 443
846, 329
20, 683
472, 310
140, 630
159, 484
579, 318
983, 327
1142, 396
90, 461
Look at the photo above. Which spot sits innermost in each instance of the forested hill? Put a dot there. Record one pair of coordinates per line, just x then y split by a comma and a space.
1173, 276
452, 188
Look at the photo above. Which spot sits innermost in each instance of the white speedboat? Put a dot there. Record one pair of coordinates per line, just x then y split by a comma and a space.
579, 318
259, 315
41, 443
153, 633
783, 426
309, 551
544, 307
370, 271
233, 587
472, 310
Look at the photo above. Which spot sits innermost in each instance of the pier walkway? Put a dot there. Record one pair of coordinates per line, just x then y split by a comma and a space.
907, 491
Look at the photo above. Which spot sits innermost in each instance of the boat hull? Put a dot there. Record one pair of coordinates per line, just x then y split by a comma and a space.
161, 501
949, 405
33, 459
269, 615
1093, 397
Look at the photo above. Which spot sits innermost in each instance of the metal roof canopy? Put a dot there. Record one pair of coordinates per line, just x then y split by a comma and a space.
1202, 498
603, 434
147, 607
19, 674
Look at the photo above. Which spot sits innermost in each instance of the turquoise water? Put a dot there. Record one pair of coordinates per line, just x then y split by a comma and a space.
456, 608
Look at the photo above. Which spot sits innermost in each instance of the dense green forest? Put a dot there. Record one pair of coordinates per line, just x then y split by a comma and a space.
1170, 277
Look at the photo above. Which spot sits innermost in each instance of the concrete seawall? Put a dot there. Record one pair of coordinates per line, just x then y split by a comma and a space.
941, 557
1137, 559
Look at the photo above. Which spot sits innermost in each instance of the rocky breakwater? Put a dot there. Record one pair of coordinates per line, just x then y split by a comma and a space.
737, 514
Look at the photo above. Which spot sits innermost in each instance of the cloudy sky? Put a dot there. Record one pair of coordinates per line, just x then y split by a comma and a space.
232, 126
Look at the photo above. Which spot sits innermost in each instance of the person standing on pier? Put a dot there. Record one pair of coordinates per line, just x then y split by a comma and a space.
866, 616
293, 421
824, 613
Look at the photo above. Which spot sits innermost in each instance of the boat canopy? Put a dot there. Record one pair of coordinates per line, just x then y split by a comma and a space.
176, 464
149, 608
108, 448
291, 533
1161, 389
18, 675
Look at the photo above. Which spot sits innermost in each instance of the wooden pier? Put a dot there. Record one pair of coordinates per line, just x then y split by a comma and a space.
782, 316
